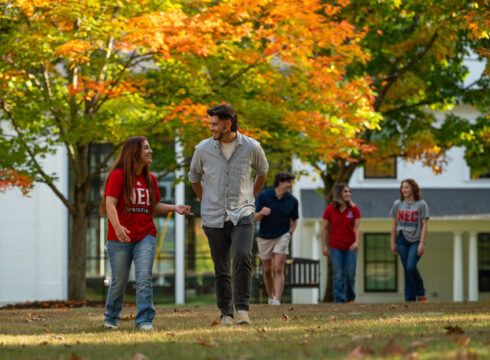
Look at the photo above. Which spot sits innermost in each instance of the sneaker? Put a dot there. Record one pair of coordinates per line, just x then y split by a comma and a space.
146, 327
242, 317
110, 326
273, 301
422, 299
226, 320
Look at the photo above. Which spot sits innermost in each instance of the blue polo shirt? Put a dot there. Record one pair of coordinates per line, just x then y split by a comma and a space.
282, 211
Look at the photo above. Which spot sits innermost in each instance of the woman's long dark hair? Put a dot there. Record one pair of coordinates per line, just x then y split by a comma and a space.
337, 196
417, 195
127, 160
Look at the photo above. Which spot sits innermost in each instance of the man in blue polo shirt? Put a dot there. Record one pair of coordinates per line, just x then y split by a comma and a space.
277, 211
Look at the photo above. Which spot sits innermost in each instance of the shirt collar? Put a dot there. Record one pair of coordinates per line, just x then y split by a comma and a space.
239, 140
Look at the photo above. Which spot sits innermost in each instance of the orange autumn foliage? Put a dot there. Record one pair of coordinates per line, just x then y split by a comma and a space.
10, 178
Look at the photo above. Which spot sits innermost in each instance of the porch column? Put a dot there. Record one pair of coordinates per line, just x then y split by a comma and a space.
473, 268
457, 267
179, 229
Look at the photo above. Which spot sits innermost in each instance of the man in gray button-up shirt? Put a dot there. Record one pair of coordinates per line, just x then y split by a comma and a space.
221, 176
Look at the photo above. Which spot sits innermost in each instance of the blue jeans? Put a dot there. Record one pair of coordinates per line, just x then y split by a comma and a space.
120, 256
344, 264
414, 284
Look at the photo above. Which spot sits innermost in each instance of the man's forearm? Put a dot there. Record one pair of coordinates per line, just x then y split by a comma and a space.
198, 189
259, 184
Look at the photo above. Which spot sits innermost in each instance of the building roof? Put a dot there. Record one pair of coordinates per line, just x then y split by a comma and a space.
376, 203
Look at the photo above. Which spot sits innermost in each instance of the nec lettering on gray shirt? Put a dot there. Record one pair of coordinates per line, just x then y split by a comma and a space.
227, 183
409, 218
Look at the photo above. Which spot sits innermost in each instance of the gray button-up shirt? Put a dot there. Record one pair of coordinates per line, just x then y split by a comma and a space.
228, 184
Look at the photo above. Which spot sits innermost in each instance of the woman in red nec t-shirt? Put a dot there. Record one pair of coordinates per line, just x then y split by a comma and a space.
131, 197
342, 227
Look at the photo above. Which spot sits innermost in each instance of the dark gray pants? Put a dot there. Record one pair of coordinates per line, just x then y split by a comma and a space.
239, 239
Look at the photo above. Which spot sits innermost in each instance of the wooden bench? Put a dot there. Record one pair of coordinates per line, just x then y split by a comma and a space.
298, 273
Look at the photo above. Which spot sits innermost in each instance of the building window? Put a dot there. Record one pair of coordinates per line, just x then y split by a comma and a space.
383, 170
380, 264
483, 262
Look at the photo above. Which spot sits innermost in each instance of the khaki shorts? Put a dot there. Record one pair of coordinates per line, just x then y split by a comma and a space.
279, 245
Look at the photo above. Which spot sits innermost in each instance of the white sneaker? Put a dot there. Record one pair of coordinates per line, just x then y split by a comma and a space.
146, 327
273, 301
110, 326
226, 320
242, 317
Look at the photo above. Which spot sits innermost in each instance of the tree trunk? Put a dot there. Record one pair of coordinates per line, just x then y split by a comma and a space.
78, 246
78, 255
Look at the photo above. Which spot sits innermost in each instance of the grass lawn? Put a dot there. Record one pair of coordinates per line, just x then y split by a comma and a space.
409, 331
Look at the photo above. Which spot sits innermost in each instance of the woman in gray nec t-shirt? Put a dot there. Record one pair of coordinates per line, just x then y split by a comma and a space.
408, 235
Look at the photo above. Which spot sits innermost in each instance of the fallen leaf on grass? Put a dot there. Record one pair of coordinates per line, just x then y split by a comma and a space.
462, 341
128, 317
305, 342
261, 330
139, 356
75, 357
285, 317
214, 323
312, 328
357, 353
466, 354
362, 337
211, 344
339, 347
418, 344
36, 317
412, 356
393, 349
43, 343
454, 330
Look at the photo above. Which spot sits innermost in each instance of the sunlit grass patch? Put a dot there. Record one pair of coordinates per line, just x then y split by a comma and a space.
424, 331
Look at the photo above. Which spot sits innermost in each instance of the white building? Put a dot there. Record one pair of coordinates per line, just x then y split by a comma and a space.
456, 265
34, 240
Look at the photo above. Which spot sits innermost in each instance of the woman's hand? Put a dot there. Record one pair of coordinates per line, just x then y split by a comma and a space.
122, 234
354, 246
183, 210
421, 249
326, 251
394, 249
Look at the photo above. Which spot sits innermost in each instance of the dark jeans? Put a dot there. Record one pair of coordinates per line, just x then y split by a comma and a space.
414, 284
222, 242
344, 264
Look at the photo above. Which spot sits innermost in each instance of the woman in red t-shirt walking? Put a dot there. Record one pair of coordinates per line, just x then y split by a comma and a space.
342, 227
131, 197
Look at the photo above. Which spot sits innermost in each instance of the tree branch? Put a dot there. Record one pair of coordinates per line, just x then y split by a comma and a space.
45, 177
231, 79
396, 74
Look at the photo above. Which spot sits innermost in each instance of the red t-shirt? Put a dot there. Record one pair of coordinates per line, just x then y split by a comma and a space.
342, 234
139, 219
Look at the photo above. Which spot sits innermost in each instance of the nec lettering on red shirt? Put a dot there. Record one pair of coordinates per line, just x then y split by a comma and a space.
139, 219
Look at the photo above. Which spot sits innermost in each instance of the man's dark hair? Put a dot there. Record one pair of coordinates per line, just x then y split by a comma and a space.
225, 112
283, 176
